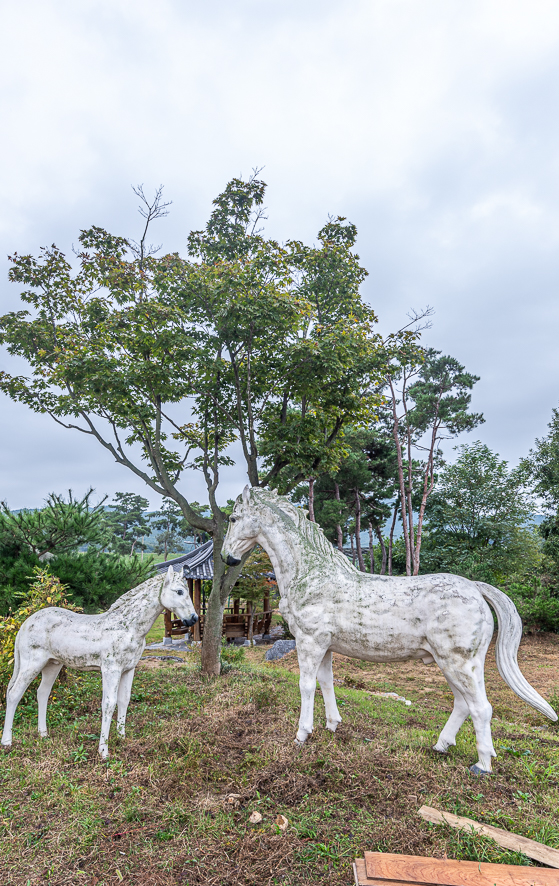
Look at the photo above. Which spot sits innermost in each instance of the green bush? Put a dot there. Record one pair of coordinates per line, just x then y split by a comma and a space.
44, 590
537, 604
231, 655
95, 579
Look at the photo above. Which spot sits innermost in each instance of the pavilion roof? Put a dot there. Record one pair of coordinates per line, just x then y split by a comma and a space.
198, 563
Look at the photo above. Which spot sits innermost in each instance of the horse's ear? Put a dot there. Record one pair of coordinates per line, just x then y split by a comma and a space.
246, 494
169, 576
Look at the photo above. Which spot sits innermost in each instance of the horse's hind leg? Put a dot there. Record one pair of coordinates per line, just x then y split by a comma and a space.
123, 700
309, 662
469, 681
50, 673
18, 684
326, 680
459, 714
111, 682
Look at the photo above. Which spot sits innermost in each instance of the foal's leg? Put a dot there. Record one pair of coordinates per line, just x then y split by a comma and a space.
17, 687
459, 714
326, 680
50, 673
310, 658
111, 682
123, 700
470, 682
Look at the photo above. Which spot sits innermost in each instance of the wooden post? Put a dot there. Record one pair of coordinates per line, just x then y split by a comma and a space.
197, 606
167, 621
191, 589
236, 606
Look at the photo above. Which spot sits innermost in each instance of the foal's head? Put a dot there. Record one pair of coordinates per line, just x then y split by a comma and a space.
174, 596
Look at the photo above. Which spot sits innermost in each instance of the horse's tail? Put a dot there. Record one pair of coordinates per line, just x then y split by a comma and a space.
508, 641
13, 678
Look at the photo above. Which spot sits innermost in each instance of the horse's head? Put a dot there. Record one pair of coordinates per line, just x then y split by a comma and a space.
244, 526
174, 596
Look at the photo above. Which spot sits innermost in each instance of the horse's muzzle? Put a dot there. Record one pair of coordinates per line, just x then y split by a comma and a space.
188, 622
232, 561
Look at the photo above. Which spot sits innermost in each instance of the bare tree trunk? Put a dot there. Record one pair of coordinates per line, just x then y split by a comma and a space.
352, 548
311, 499
371, 549
391, 537
338, 527
358, 531
398, 443
383, 549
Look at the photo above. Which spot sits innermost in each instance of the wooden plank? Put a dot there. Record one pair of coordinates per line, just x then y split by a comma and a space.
361, 878
450, 872
538, 851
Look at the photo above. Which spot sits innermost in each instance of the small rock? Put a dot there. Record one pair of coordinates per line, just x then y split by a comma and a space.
255, 818
282, 822
279, 649
233, 800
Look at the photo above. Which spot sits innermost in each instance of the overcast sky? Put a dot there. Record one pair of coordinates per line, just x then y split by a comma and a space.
431, 124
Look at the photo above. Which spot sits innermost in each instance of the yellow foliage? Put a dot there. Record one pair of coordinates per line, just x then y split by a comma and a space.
46, 590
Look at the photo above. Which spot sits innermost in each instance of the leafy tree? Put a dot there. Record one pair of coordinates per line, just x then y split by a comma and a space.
58, 527
429, 398
478, 518
542, 466
170, 521
177, 358
356, 494
126, 522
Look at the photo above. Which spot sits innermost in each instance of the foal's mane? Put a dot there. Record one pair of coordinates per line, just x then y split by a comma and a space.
130, 598
269, 499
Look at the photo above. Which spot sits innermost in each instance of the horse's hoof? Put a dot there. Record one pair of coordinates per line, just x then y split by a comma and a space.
298, 743
475, 770
440, 750
332, 725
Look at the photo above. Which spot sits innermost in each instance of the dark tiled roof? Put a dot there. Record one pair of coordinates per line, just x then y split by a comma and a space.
198, 563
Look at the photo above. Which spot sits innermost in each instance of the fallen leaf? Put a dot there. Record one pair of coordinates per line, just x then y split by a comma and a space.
282, 822
255, 818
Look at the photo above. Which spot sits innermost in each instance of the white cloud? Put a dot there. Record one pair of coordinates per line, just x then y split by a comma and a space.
432, 125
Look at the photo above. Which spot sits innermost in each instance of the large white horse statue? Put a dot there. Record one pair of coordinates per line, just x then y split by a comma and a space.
111, 642
332, 607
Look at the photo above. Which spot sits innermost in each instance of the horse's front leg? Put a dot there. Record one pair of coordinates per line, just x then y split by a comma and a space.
111, 681
310, 657
123, 700
326, 680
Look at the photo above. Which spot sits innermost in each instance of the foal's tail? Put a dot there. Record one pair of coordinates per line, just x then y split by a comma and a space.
13, 678
508, 641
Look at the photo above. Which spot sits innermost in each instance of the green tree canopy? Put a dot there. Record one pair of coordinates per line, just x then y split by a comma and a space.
126, 522
166, 361
478, 517
58, 527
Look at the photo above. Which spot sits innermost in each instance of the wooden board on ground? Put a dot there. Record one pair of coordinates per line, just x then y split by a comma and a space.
384, 867
538, 851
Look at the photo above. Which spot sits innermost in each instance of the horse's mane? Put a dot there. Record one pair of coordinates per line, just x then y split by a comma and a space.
311, 531
130, 598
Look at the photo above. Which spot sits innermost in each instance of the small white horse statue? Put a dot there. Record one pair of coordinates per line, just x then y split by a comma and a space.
332, 607
111, 642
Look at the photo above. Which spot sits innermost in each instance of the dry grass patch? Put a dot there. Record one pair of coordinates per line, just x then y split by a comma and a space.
173, 804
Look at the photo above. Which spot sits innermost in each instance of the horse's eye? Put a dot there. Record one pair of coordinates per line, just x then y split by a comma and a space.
180, 592
232, 519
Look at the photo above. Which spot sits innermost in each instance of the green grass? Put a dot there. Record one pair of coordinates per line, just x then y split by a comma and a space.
172, 805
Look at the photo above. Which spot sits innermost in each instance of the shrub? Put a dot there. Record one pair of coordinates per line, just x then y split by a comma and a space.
46, 590
95, 579
537, 604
